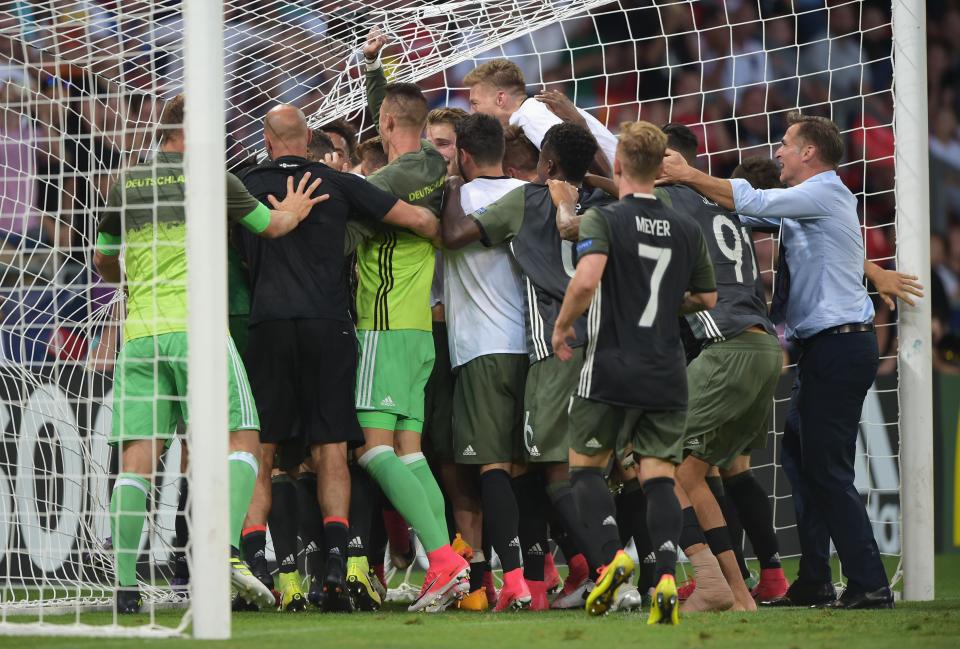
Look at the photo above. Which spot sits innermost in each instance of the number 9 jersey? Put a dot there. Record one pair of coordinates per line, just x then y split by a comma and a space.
654, 255
740, 299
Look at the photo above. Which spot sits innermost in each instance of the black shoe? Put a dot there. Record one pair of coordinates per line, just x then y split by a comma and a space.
240, 605
315, 595
336, 599
129, 602
850, 600
803, 593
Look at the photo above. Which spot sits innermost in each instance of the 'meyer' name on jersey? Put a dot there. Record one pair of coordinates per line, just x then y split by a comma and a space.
654, 255
656, 227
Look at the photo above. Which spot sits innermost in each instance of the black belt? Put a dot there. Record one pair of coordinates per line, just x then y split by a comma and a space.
849, 328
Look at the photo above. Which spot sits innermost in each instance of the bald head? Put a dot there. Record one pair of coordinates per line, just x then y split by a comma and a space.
285, 131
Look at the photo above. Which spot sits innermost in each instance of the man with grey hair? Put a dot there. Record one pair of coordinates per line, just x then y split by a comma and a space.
820, 294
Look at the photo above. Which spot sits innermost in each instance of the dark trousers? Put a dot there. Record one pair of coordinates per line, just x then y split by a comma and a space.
819, 445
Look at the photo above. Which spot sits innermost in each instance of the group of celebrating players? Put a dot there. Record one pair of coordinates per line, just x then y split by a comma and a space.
475, 335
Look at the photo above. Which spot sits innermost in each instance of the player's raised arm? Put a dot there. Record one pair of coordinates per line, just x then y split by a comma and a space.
375, 79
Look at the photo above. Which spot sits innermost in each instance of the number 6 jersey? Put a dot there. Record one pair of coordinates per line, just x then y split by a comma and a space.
527, 219
654, 255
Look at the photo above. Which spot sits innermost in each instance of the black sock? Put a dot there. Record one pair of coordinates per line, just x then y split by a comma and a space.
634, 501
532, 523
479, 567
311, 524
599, 515
283, 522
377, 547
254, 543
448, 511
361, 510
664, 520
500, 517
624, 518
690, 532
733, 522
753, 509
565, 525
337, 535
181, 567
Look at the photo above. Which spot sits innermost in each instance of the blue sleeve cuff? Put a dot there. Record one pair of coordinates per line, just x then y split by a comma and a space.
741, 192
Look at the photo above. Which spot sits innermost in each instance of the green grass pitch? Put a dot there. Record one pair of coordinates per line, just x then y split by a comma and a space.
909, 626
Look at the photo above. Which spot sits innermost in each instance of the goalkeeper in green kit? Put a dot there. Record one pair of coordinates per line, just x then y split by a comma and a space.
395, 332
145, 218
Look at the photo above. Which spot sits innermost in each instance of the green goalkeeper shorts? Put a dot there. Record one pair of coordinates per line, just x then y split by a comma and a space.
150, 389
394, 369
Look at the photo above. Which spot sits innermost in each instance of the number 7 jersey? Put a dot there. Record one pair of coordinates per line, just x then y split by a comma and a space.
654, 255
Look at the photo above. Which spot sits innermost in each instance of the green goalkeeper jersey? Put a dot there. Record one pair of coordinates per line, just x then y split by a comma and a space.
396, 267
145, 215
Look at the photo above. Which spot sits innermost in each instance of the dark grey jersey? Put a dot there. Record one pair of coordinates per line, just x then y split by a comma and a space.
654, 256
739, 303
527, 219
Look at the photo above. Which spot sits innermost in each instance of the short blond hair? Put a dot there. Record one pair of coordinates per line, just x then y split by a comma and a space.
446, 115
499, 73
641, 149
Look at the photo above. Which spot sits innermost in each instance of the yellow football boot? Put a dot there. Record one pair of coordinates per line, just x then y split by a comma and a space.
611, 577
292, 598
365, 597
665, 608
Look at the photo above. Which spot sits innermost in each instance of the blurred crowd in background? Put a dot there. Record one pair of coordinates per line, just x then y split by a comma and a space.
82, 81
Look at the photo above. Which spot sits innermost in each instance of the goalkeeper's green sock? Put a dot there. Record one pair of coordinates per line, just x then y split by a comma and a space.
128, 509
243, 469
404, 490
418, 466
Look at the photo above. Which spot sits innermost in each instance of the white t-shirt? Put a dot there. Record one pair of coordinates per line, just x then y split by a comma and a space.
536, 119
482, 290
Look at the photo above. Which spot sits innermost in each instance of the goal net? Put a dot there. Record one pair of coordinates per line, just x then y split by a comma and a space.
83, 83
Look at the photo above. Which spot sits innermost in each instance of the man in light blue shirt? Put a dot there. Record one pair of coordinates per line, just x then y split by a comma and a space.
821, 296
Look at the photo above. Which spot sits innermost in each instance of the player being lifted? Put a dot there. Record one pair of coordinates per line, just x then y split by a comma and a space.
526, 219
395, 331
145, 218
654, 264
498, 88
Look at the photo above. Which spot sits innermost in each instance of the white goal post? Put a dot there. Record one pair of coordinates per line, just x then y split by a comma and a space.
205, 159
913, 251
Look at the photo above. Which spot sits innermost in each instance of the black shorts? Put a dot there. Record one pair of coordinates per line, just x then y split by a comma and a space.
303, 374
